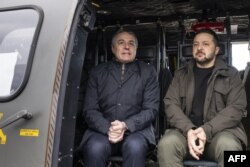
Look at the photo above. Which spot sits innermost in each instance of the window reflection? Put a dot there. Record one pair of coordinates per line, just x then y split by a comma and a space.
16, 35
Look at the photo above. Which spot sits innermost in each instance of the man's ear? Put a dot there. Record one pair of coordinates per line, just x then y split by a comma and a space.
113, 49
217, 50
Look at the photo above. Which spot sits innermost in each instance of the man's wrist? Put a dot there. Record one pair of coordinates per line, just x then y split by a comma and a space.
124, 126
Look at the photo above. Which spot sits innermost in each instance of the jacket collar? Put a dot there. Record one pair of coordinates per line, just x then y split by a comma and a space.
220, 67
115, 68
132, 66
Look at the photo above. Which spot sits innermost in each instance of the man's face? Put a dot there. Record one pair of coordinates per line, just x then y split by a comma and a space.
204, 50
124, 47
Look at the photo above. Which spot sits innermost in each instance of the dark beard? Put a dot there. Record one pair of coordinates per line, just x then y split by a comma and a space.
204, 61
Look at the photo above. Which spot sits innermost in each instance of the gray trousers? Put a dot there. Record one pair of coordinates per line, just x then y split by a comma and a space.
173, 149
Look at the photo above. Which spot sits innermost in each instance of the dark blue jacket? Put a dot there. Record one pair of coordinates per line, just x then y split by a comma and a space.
135, 100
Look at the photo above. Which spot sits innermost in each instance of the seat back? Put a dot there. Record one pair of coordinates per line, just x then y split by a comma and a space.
147, 54
165, 78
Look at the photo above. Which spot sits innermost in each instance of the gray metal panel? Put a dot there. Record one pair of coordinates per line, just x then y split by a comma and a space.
39, 96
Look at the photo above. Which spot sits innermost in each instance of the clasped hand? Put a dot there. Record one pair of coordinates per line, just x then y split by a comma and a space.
196, 142
116, 131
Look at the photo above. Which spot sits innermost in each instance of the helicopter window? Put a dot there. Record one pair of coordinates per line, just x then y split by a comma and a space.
240, 55
17, 32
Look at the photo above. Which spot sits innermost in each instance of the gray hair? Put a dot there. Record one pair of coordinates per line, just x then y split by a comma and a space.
122, 31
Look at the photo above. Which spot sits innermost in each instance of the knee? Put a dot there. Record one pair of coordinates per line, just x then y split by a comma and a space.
171, 149
168, 142
172, 144
97, 148
135, 147
224, 141
165, 142
228, 144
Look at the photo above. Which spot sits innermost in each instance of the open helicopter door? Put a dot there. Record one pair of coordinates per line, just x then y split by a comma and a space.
36, 43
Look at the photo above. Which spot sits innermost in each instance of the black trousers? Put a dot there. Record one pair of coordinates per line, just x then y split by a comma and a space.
98, 149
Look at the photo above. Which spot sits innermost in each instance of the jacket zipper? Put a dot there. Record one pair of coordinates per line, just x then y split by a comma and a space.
122, 72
